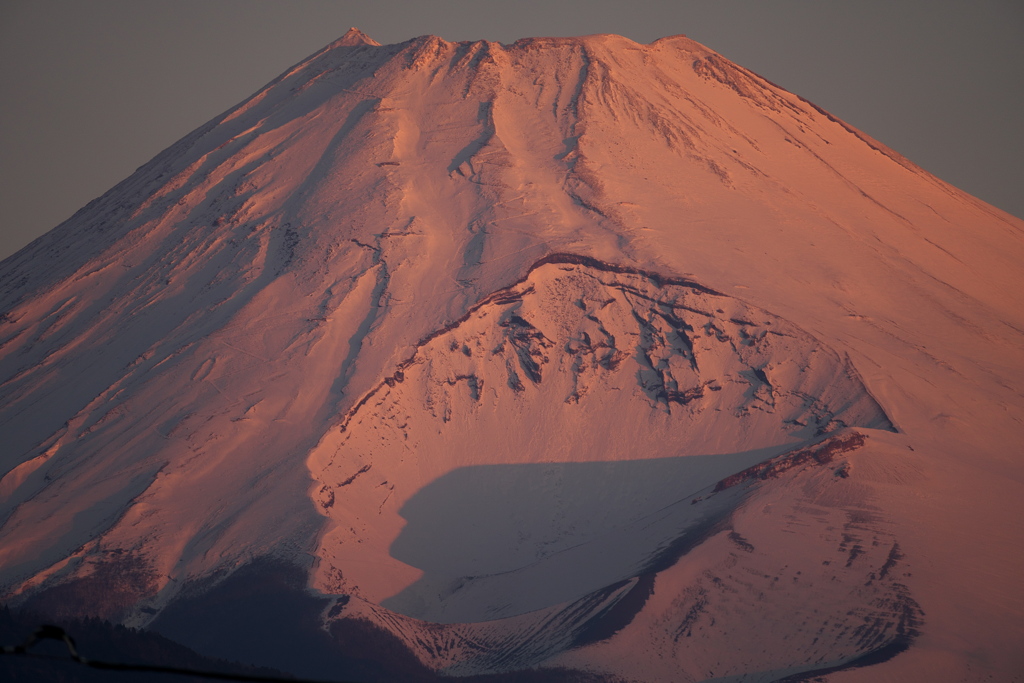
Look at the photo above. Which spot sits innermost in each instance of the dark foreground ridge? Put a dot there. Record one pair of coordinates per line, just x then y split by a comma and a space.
86, 650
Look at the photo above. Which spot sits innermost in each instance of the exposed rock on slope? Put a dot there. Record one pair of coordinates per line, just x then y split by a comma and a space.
520, 445
545, 354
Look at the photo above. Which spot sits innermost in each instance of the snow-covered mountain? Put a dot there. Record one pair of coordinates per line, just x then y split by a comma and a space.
569, 355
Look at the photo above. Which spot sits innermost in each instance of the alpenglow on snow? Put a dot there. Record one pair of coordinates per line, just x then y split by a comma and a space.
573, 359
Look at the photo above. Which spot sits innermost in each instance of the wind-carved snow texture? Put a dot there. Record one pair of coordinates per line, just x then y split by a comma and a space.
556, 236
607, 404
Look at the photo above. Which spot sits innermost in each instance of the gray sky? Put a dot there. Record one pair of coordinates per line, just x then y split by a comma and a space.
89, 91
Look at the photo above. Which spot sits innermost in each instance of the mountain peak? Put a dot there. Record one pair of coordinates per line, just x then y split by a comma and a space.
513, 357
354, 37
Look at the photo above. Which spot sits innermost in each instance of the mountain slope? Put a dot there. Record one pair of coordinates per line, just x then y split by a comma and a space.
487, 340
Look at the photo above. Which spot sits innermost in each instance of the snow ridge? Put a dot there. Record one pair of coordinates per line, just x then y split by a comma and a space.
357, 322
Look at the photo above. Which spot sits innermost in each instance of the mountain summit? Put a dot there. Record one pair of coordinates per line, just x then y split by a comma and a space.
570, 355
354, 38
